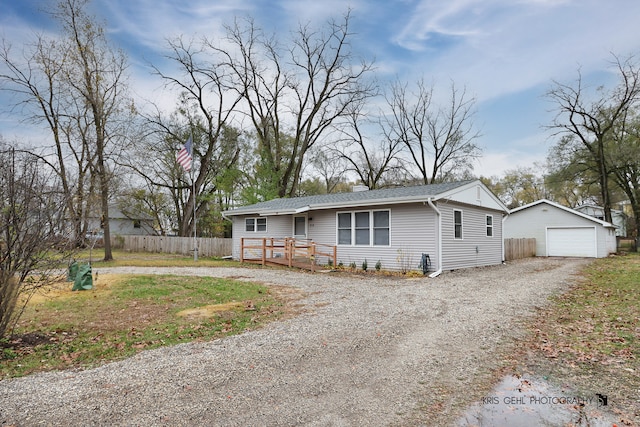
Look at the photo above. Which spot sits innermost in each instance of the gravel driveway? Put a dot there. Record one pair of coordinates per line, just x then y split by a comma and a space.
364, 351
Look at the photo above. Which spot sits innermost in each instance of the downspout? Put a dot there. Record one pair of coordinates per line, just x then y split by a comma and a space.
504, 218
439, 270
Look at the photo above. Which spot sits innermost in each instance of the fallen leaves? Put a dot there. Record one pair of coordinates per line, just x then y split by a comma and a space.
591, 334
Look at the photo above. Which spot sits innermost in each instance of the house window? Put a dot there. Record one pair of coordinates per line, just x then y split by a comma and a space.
344, 228
364, 228
255, 224
489, 225
457, 224
137, 223
381, 228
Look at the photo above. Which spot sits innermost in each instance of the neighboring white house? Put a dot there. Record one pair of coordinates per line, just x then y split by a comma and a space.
457, 224
618, 218
561, 231
123, 223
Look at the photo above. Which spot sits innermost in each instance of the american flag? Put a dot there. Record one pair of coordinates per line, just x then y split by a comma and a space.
184, 157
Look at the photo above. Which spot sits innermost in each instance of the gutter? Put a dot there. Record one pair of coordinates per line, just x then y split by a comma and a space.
439, 271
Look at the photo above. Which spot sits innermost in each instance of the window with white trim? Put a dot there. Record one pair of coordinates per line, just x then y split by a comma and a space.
364, 228
344, 228
255, 224
489, 225
457, 224
381, 228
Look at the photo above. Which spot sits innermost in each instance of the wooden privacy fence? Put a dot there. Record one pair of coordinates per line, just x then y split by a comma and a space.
207, 247
519, 248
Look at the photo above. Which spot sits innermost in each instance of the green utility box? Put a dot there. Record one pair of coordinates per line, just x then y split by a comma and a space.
83, 280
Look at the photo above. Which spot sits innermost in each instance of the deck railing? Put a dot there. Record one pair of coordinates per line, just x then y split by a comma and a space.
300, 253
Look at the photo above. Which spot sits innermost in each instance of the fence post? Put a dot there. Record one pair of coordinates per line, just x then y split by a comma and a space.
313, 257
335, 256
264, 251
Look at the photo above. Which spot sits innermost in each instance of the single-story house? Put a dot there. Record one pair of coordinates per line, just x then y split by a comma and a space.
618, 217
457, 224
123, 222
561, 231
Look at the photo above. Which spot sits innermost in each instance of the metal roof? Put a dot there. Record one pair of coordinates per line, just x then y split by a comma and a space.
357, 198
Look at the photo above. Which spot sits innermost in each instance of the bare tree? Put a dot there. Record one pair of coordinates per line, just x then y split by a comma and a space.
294, 94
77, 85
592, 121
329, 165
37, 79
372, 160
440, 140
96, 72
31, 227
207, 105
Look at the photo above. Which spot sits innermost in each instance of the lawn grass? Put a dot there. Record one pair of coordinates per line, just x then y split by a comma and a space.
599, 320
149, 259
590, 336
123, 315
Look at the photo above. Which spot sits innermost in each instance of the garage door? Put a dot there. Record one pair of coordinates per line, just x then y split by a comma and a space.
578, 242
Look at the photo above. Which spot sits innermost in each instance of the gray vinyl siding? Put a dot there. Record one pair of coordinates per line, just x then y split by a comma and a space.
277, 226
475, 248
412, 233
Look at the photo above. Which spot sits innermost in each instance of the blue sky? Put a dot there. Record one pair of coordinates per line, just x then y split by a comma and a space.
505, 52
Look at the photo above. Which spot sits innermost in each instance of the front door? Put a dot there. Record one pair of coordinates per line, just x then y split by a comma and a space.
300, 227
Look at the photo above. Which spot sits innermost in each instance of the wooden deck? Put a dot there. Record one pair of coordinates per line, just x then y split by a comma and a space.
293, 253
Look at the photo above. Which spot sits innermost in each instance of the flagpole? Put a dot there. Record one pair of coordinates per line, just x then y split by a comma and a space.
186, 159
193, 192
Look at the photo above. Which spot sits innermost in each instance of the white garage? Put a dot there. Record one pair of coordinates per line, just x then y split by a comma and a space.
561, 231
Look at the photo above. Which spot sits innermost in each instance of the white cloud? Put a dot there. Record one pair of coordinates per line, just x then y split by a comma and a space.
504, 47
496, 163
150, 22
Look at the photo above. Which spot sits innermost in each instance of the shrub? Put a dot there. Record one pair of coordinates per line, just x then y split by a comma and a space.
404, 258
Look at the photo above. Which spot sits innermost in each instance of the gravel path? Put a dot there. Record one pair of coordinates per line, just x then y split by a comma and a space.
365, 351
